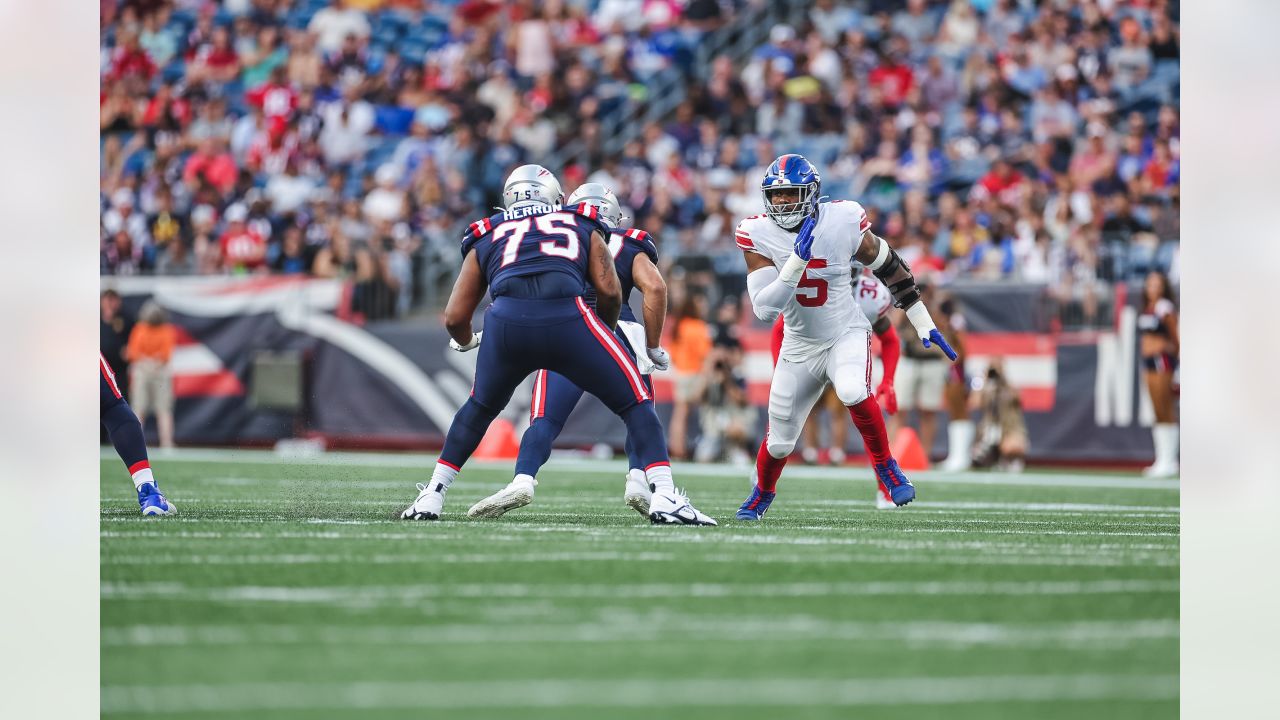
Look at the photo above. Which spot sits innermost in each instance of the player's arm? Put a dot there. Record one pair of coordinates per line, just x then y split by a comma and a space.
769, 288
468, 291
890, 351
650, 283
604, 278
893, 271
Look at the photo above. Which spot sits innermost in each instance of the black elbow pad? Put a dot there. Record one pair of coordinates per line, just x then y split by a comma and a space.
896, 275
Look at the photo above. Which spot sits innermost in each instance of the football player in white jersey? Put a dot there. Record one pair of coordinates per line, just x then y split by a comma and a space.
802, 256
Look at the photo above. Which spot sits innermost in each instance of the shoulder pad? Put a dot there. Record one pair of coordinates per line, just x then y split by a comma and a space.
478, 229
646, 242
857, 214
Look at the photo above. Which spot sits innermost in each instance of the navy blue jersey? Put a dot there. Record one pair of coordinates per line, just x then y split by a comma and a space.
624, 246
539, 251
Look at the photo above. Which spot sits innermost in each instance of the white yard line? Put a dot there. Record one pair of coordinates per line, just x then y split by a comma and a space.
424, 461
741, 692
630, 627
375, 595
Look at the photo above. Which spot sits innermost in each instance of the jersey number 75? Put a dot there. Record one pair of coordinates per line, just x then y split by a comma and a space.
555, 225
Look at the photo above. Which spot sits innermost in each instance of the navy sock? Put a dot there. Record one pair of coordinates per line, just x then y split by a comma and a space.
465, 432
644, 433
535, 446
126, 435
633, 458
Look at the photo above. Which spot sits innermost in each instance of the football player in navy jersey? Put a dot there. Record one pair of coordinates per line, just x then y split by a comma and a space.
537, 259
554, 396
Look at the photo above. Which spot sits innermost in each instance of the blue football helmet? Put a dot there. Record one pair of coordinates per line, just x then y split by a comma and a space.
791, 172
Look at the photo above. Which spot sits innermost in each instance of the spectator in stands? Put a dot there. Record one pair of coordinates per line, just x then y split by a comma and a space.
241, 248
210, 172
333, 24
149, 351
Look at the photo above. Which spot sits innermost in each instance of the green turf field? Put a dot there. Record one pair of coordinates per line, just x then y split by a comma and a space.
286, 590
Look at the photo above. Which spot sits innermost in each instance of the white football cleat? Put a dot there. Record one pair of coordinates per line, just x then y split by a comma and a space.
836, 456
883, 500
516, 494
637, 493
429, 505
671, 507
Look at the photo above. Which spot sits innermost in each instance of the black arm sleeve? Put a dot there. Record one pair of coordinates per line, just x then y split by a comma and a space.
895, 273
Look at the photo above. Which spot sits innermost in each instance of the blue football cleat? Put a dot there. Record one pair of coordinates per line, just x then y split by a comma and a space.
153, 502
757, 505
900, 488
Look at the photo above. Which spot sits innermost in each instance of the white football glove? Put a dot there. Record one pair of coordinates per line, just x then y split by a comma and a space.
475, 343
661, 358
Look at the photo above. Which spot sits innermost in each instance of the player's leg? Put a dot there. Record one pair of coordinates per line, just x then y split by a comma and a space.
811, 437
794, 390
849, 369
1164, 434
636, 493
593, 359
554, 397
505, 358
839, 427
126, 436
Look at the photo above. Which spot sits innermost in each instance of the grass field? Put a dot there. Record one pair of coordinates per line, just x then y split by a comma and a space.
286, 590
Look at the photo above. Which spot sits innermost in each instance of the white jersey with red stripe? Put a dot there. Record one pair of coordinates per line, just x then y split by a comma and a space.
824, 307
872, 295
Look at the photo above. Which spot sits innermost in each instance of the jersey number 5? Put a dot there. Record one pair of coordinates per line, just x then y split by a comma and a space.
555, 224
819, 286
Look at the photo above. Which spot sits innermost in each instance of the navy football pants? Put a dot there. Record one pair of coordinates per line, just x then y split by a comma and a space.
554, 398
564, 336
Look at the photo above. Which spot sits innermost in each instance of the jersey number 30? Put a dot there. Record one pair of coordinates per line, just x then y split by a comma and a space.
555, 225
818, 285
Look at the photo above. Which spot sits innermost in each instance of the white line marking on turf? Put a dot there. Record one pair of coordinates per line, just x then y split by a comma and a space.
423, 461
624, 625
740, 692
375, 595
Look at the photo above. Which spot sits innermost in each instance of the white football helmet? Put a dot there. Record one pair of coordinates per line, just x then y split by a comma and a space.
530, 185
602, 199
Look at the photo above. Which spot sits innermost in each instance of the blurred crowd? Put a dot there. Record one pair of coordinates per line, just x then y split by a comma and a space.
990, 139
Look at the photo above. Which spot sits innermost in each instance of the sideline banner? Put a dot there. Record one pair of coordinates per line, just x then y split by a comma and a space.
396, 384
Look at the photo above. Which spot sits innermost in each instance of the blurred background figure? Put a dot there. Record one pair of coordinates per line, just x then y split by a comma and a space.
690, 348
1003, 430
149, 351
727, 418
1158, 325
922, 375
960, 429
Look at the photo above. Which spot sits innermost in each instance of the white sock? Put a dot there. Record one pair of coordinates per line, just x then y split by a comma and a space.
960, 439
1157, 438
528, 479
1167, 445
442, 477
142, 477
659, 477
636, 475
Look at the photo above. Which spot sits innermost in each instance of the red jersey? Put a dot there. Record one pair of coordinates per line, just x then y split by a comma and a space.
275, 100
894, 82
242, 248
